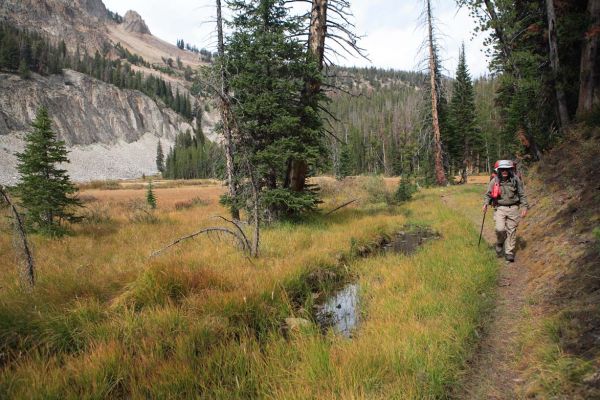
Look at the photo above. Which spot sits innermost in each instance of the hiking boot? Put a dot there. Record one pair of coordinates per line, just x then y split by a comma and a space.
499, 250
510, 258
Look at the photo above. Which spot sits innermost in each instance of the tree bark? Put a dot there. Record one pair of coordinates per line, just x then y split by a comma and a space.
255, 210
298, 168
561, 99
440, 176
225, 111
589, 76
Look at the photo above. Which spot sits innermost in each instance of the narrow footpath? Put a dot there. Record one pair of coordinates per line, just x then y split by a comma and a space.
492, 372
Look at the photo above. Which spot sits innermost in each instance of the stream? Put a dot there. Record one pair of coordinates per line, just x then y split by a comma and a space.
341, 310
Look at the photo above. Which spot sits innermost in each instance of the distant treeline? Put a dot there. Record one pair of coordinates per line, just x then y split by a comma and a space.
114, 16
193, 157
381, 124
376, 113
205, 55
25, 52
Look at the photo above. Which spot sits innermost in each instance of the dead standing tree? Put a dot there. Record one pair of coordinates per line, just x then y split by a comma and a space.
561, 98
22, 247
440, 175
329, 19
226, 115
589, 74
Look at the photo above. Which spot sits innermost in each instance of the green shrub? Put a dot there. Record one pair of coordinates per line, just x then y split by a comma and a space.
405, 190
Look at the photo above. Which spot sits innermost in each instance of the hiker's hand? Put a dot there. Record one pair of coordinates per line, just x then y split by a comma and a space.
523, 213
484, 209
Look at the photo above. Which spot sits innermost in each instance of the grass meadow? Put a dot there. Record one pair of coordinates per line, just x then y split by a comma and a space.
201, 320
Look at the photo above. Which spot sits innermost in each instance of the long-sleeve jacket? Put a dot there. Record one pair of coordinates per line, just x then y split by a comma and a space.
512, 193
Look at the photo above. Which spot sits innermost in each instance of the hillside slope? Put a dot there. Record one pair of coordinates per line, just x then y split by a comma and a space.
561, 248
97, 121
541, 340
114, 130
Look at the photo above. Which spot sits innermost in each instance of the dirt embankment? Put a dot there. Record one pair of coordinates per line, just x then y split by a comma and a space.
561, 249
543, 338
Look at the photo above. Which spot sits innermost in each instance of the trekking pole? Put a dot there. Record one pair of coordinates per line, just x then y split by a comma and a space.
481, 232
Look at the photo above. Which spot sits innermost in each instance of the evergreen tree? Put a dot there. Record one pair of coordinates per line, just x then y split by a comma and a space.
345, 167
150, 198
464, 137
9, 52
160, 158
45, 188
194, 157
406, 189
268, 65
24, 71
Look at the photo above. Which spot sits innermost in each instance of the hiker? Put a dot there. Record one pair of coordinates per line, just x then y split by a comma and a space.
507, 195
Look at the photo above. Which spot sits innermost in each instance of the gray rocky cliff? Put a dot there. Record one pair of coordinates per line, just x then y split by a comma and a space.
78, 22
88, 115
133, 22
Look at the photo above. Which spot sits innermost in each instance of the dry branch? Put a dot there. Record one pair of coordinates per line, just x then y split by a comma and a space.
342, 206
21, 237
193, 235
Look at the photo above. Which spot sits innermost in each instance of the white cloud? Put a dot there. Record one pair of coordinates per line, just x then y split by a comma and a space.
393, 35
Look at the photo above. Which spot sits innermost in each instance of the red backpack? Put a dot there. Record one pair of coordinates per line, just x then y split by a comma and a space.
496, 188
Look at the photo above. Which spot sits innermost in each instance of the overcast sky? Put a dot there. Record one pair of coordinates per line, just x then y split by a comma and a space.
391, 29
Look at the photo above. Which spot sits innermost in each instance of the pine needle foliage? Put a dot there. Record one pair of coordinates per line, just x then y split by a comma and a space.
150, 197
464, 136
160, 158
268, 66
45, 190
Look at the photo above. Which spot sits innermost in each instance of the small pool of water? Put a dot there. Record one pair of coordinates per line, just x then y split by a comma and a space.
340, 311
407, 242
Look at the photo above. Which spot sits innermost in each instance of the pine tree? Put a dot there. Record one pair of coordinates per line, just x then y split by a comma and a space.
9, 52
24, 71
160, 158
45, 188
268, 65
464, 136
150, 198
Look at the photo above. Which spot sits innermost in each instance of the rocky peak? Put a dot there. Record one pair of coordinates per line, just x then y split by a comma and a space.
94, 8
133, 22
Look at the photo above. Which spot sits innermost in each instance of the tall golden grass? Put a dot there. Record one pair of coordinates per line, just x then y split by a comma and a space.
204, 321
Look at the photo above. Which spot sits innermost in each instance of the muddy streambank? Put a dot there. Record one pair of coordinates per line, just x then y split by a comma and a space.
339, 308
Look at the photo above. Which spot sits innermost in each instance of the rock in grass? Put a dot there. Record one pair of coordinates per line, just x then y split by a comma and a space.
297, 324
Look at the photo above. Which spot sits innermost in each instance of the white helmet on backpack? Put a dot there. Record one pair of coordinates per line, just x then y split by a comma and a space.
505, 164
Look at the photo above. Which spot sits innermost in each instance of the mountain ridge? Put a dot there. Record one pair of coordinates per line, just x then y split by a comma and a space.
88, 113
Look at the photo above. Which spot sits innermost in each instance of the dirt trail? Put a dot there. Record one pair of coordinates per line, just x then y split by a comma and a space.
491, 373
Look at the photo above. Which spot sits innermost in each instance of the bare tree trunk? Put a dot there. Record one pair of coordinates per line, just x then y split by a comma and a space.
298, 168
386, 169
225, 109
316, 40
589, 76
255, 210
439, 166
465, 163
29, 272
561, 99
